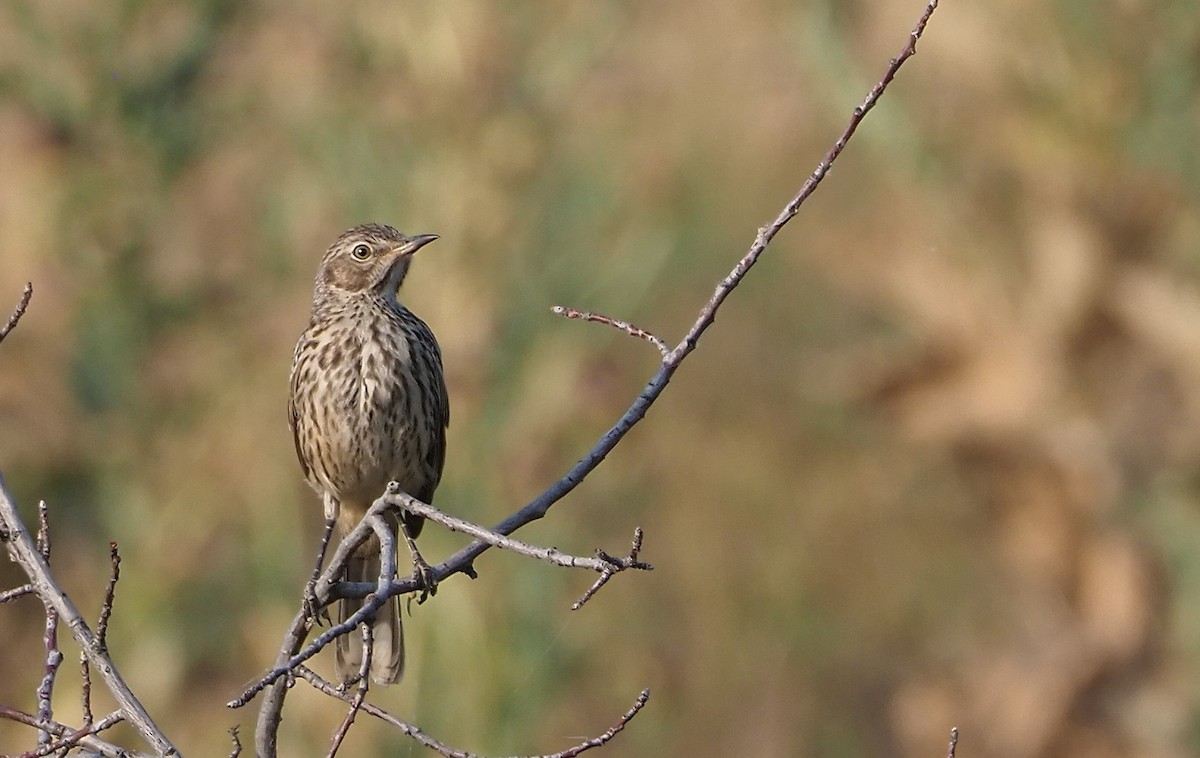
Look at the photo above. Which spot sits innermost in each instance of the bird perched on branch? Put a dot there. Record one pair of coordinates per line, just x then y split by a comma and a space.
368, 406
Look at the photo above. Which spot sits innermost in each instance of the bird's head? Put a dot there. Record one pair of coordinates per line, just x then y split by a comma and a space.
370, 258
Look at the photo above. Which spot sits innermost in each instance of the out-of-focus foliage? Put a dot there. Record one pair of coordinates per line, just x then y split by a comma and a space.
935, 464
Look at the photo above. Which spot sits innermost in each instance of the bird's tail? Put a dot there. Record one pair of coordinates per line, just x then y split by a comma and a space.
387, 647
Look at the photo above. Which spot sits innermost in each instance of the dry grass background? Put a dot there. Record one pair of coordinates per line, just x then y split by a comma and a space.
935, 464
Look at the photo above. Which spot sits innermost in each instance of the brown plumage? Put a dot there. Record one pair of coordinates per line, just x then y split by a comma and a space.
368, 406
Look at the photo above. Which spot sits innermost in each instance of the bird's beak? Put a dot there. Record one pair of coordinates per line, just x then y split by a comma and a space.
417, 242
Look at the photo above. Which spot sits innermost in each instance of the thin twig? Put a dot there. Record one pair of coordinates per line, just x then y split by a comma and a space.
310, 588
464, 559
237, 742
106, 607
360, 694
110, 591
45, 690
417, 734
18, 312
612, 731
85, 689
16, 592
54, 656
624, 326
105, 749
75, 738
616, 565
383, 589
950, 753
396, 498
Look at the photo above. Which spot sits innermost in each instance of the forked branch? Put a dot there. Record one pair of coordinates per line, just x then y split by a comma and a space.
290, 656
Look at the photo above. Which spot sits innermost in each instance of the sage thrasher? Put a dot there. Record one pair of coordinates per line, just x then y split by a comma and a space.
368, 406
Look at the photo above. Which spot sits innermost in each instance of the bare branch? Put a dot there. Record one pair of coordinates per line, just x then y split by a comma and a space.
85, 690
326, 588
61, 730
110, 592
73, 739
360, 694
45, 690
615, 565
54, 657
22, 549
313, 609
463, 560
613, 730
624, 326
106, 607
601, 564
288, 659
415, 732
953, 749
18, 312
323, 589
16, 592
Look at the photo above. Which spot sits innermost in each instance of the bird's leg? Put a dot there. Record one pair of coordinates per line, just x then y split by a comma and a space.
423, 572
312, 609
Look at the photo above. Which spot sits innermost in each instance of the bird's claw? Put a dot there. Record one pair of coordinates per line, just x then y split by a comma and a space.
423, 573
316, 613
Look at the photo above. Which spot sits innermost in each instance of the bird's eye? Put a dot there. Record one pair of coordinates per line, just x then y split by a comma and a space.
361, 252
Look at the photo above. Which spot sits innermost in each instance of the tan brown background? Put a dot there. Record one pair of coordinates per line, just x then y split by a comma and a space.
935, 465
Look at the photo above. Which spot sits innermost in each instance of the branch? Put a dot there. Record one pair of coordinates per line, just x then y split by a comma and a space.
624, 326
289, 659
602, 563
81, 737
360, 695
75, 738
23, 550
18, 312
440, 747
16, 592
462, 561
326, 588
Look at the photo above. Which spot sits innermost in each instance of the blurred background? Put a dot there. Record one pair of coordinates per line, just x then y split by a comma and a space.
935, 464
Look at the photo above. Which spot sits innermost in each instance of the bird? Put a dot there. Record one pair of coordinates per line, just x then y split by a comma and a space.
368, 405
